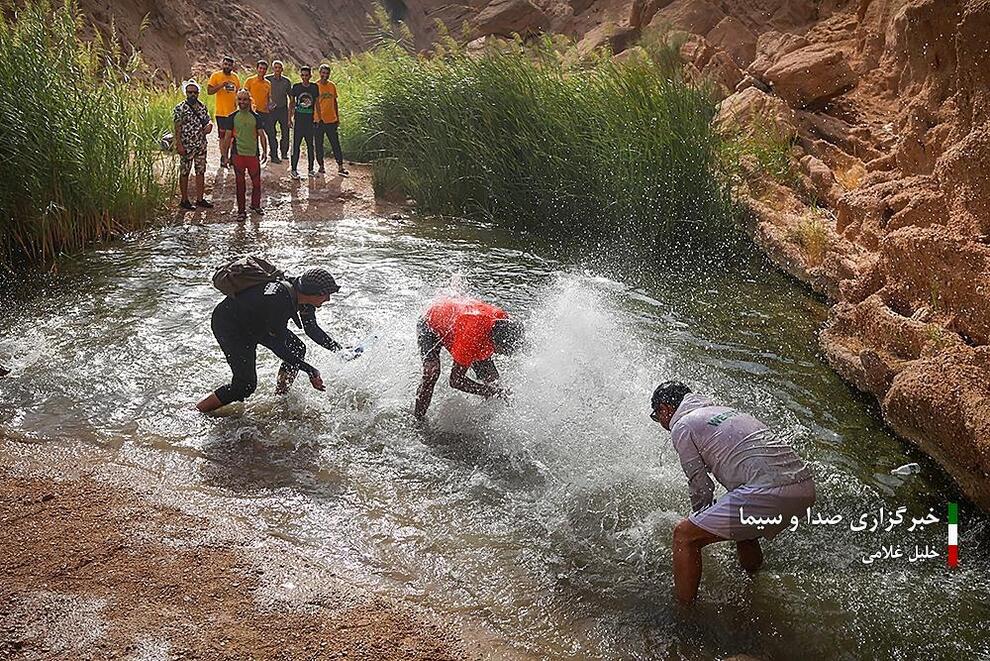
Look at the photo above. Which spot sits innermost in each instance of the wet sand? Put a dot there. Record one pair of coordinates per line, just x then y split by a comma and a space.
325, 196
92, 569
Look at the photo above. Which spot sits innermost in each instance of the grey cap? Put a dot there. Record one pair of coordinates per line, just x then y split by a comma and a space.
317, 281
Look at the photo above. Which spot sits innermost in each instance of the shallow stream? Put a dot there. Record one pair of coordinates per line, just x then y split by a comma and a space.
541, 526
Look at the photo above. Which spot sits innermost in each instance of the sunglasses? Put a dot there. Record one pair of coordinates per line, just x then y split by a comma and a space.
655, 415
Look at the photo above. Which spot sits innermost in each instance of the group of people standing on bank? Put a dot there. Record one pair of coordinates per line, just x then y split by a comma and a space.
254, 120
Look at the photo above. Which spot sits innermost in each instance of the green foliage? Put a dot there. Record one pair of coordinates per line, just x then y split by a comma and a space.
590, 151
766, 150
80, 152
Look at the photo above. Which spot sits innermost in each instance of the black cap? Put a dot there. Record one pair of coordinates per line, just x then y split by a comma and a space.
317, 281
669, 392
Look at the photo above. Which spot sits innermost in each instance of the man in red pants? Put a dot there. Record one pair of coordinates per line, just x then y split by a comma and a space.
247, 135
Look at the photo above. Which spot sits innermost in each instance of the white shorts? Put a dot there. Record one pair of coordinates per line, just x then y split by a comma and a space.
726, 516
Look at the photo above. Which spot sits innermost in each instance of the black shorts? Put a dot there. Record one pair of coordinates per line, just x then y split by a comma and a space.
428, 341
225, 123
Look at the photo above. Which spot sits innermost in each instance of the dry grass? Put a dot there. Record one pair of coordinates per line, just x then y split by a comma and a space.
812, 233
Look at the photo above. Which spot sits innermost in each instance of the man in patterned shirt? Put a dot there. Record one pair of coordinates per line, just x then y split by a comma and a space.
191, 124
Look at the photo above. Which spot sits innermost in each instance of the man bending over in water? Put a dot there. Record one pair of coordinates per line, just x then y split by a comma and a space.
259, 315
764, 477
472, 331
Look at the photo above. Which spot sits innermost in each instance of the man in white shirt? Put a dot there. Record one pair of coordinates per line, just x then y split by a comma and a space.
766, 481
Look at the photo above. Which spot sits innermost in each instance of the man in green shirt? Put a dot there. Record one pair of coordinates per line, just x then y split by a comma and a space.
246, 137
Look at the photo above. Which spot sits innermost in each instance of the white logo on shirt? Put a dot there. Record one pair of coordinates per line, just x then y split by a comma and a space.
271, 289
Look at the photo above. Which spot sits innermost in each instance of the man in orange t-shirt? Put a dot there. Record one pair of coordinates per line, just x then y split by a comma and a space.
261, 95
327, 120
472, 331
224, 84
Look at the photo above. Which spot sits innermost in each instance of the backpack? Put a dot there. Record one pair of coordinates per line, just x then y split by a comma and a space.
244, 272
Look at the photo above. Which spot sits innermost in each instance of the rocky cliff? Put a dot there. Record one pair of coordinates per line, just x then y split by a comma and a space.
889, 216
885, 103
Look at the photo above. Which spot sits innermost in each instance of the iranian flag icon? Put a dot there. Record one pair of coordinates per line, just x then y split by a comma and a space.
953, 534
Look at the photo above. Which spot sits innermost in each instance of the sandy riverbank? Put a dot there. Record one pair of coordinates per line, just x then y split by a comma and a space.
94, 567
326, 197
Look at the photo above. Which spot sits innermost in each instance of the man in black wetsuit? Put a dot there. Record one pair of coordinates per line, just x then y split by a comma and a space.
259, 315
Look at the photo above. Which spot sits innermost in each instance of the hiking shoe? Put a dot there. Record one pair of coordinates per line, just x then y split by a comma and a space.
342, 172
295, 174
275, 159
206, 204
187, 205
258, 211
241, 217
322, 170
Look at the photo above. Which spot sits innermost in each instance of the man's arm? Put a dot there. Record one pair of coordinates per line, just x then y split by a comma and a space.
292, 107
486, 371
307, 315
213, 88
177, 137
259, 138
292, 360
700, 486
459, 380
431, 372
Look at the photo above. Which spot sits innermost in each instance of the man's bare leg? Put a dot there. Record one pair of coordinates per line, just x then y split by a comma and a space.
286, 376
200, 185
184, 187
431, 373
750, 554
224, 153
209, 403
689, 539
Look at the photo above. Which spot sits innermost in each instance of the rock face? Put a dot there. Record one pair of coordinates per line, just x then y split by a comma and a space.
810, 76
507, 17
892, 126
751, 105
187, 36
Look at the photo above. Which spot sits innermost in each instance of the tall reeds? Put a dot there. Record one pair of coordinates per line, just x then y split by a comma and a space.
603, 154
80, 152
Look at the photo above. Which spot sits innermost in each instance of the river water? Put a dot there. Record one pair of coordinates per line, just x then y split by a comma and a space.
542, 526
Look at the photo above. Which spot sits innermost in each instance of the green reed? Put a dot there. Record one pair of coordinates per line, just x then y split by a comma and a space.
608, 155
81, 160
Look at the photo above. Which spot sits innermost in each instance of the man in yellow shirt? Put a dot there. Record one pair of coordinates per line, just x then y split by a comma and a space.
327, 118
224, 84
261, 94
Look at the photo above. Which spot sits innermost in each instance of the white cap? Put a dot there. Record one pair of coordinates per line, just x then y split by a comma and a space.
191, 81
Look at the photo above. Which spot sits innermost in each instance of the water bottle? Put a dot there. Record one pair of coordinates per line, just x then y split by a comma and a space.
906, 469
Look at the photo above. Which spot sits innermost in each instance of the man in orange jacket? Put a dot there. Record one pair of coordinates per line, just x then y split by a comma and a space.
472, 331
